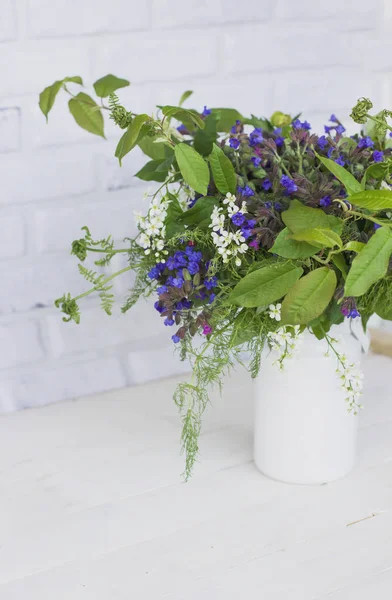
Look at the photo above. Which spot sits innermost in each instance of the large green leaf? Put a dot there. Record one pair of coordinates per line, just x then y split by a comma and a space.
48, 95
226, 118
309, 297
155, 170
193, 167
200, 213
130, 137
371, 264
300, 217
154, 150
87, 113
288, 248
350, 183
204, 138
265, 285
173, 221
107, 85
372, 199
322, 238
354, 246
377, 171
222, 171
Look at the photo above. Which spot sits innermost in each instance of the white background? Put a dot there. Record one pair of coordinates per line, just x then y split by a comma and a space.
255, 55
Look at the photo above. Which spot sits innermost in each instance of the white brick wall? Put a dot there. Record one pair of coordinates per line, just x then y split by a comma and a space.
257, 55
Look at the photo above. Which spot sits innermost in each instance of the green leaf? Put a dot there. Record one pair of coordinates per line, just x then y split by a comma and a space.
193, 167
151, 172
173, 223
339, 262
309, 297
322, 238
87, 113
258, 122
371, 264
378, 171
200, 213
265, 285
130, 137
48, 95
372, 199
354, 246
288, 248
188, 117
154, 150
222, 171
300, 217
205, 138
350, 183
383, 309
185, 96
107, 85
226, 118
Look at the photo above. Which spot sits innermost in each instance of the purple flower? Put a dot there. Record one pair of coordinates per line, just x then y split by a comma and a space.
322, 142
325, 201
206, 112
163, 289
378, 156
212, 298
207, 329
182, 129
234, 143
340, 161
277, 206
279, 141
268, 205
354, 314
298, 125
176, 338
340, 129
168, 322
251, 223
193, 267
238, 219
376, 226
158, 306
256, 160
210, 283
266, 185
155, 272
327, 129
183, 304
288, 183
330, 151
254, 244
333, 119
180, 259
246, 232
256, 137
365, 142
234, 128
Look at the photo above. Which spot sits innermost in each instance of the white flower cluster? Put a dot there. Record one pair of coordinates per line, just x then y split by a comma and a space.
152, 228
284, 340
229, 244
351, 378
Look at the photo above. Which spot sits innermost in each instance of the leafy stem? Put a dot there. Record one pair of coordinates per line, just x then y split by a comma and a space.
103, 282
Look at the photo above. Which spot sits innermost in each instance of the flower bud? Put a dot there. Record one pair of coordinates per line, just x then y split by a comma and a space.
279, 119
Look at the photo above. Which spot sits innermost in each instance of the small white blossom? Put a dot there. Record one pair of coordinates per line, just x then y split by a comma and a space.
275, 311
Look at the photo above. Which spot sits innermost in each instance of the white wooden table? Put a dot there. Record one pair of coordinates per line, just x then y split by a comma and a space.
92, 506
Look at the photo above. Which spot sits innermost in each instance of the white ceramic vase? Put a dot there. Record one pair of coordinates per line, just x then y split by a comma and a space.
303, 431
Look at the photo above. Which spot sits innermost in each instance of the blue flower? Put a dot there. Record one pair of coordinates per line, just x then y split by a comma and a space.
376, 226
234, 128
378, 156
238, 219
154, 273
193, 267
298, 125
183, 304
325, 201
212, 298
333, 119
163, 289
365, 142
182, 129
210, 283
168, 322
288, 183
340, 161
340, 129
178, 282
234, 143
256, 160
256, 137
277, 206
322, 142
327, 128
171, 263
268, 205
246, 232
159, 307
246, 191
266, 185
176, 338
251, 223
279, 141
206, 112
353, 314
180, 259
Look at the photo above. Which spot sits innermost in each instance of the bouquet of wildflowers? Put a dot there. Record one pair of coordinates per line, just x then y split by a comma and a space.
259, 230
